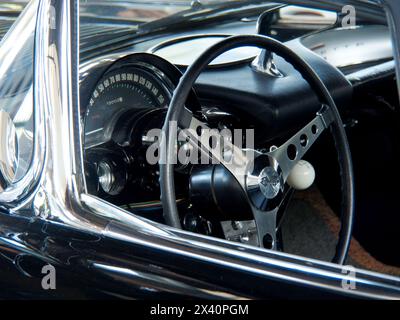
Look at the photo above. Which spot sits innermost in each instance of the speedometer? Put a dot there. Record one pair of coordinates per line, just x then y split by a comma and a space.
132, 89
125, 99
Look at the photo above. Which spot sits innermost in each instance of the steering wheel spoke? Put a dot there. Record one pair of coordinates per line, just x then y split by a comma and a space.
266, 223
220, 151
293, 150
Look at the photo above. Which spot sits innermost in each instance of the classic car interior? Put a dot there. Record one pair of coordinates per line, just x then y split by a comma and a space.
200, 148
130, 73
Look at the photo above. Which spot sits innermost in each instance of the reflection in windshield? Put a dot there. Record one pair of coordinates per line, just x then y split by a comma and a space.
16, 77
148, 11
131, 11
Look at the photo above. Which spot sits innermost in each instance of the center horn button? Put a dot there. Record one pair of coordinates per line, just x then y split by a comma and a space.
264, 183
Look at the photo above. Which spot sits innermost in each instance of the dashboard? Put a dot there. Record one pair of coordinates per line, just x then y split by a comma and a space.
340, 47
128, 97
126, 94
344, 47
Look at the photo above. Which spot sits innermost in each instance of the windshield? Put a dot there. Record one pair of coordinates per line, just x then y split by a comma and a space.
132, 11
146, 11
164, 12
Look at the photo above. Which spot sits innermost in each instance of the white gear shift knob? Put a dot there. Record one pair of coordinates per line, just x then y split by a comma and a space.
302, 175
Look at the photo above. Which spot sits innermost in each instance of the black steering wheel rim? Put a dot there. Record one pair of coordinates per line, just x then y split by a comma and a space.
176, 113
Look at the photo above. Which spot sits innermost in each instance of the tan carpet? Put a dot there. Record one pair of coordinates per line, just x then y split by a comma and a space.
357, 253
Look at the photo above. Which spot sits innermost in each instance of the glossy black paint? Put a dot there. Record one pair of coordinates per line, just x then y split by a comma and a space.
89, 266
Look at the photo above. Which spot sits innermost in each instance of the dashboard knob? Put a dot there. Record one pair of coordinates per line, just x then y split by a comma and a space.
302, 175
112, 176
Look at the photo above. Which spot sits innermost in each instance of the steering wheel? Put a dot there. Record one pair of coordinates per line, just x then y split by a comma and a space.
262, 175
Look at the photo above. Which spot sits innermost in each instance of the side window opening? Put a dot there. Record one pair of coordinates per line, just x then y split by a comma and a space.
16, 98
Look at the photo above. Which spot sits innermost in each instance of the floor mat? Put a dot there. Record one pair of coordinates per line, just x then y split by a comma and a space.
310, 229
